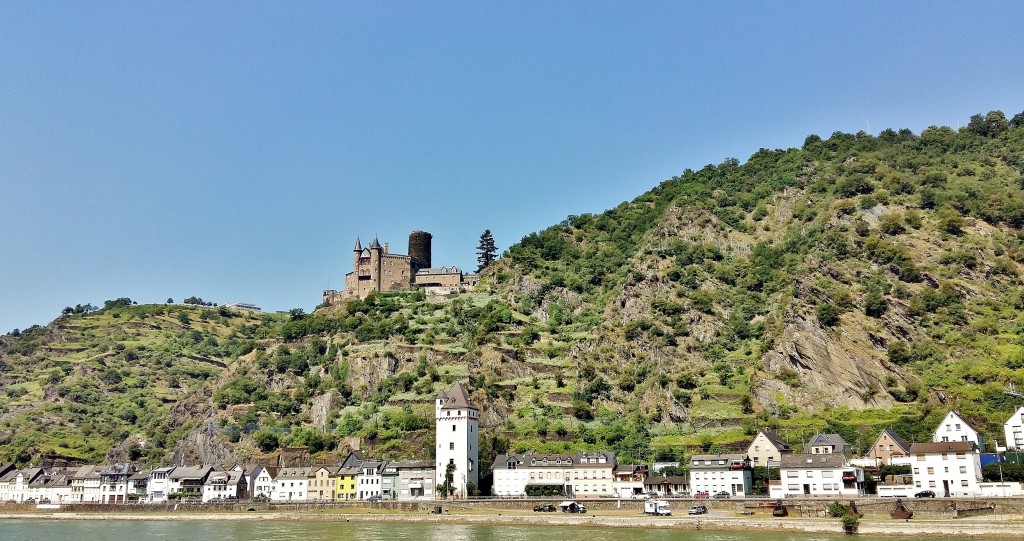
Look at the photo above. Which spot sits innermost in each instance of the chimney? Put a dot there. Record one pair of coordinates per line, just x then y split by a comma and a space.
385, 247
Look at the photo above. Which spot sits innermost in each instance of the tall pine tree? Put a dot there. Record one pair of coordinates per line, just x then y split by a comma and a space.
487, 252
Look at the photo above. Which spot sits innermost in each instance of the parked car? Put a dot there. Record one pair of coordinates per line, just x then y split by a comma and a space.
374, 498
698, 510
570, 506
925, 494
721, 495
701, 495
544, 508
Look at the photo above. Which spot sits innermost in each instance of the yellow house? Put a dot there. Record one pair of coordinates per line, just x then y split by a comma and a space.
322, 484
347, 483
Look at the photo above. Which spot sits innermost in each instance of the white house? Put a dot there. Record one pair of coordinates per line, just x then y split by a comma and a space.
225, 485
85, 484
52, 486
158, 487
824, 474
629, 480
370, 482
291, 485
1014, 429
456, 434
717, 473
955, 428
7, 475
188, 481
114, 483
261, 481
588, 474
949, 468
766, 448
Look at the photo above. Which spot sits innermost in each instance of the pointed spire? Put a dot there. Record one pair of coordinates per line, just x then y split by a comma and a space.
376, 243
359, 245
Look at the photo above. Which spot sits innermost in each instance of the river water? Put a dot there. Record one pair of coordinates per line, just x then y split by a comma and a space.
114, 530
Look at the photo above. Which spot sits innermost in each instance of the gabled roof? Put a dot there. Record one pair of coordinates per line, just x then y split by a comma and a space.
456, 397
1020, 411
811, 461
943, 447
271, 471
294, 473
439, 270
354, 459
896, 438
191, 472
775, 440
144, 474
89, 471
962, 421
835, 440
348, 471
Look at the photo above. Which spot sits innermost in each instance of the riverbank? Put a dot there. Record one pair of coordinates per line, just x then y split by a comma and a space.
987, 527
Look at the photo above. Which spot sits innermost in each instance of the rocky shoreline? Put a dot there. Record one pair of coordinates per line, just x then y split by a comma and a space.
988, 527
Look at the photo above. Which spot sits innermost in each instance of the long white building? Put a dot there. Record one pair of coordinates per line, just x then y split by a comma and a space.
949, 468
828, 474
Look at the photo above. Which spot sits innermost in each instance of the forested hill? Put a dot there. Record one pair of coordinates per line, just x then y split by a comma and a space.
856, 283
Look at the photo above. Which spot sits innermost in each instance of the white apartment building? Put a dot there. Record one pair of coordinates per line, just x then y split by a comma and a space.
811, 475
262, 482
717, 473
951, 469
589, 474
291, 485
369, 483
159, 484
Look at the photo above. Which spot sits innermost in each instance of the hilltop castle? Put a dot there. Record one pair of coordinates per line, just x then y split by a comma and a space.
375, 268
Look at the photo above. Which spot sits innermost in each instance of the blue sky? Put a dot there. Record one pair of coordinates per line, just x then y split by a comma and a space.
235, 150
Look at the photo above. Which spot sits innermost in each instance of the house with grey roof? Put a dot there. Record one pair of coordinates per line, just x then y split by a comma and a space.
824, 444
817, 475
712, 474
888, 446
767, 449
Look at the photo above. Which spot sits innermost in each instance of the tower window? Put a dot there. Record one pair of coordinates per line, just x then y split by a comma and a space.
453, 428
451, 446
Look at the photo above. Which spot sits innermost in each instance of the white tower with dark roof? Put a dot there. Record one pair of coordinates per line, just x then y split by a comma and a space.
457, 439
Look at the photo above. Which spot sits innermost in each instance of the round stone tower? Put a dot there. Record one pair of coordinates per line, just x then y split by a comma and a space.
419, 249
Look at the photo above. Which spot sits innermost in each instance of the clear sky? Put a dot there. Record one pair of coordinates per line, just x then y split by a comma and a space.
235, 150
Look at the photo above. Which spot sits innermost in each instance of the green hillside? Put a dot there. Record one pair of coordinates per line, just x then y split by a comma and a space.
856, 283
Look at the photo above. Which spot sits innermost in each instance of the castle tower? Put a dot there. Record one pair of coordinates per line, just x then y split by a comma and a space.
456, 436
375, 264
419, 250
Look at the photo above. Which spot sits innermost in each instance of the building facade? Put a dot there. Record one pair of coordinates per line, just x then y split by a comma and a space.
822, 474
950, 469
888, 446
717, 473
766, 448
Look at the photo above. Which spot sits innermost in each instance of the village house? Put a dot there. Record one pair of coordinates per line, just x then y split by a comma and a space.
951, 469
767, 449
225, 485
347, 478
955, 428
114, 482
822, 474
7, 474
261, 481
389, 482
138, 485
159, 484
667, 485
415, 479
1014, 429
53, 486
370, 480
888, 446
629, 480
85, 484
825, 444
510, 476
188, 481
291, 485
593, 474
589, 474
323, 484
717, 473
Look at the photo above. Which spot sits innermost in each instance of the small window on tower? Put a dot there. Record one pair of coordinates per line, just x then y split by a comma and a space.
451, 446
453, 428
